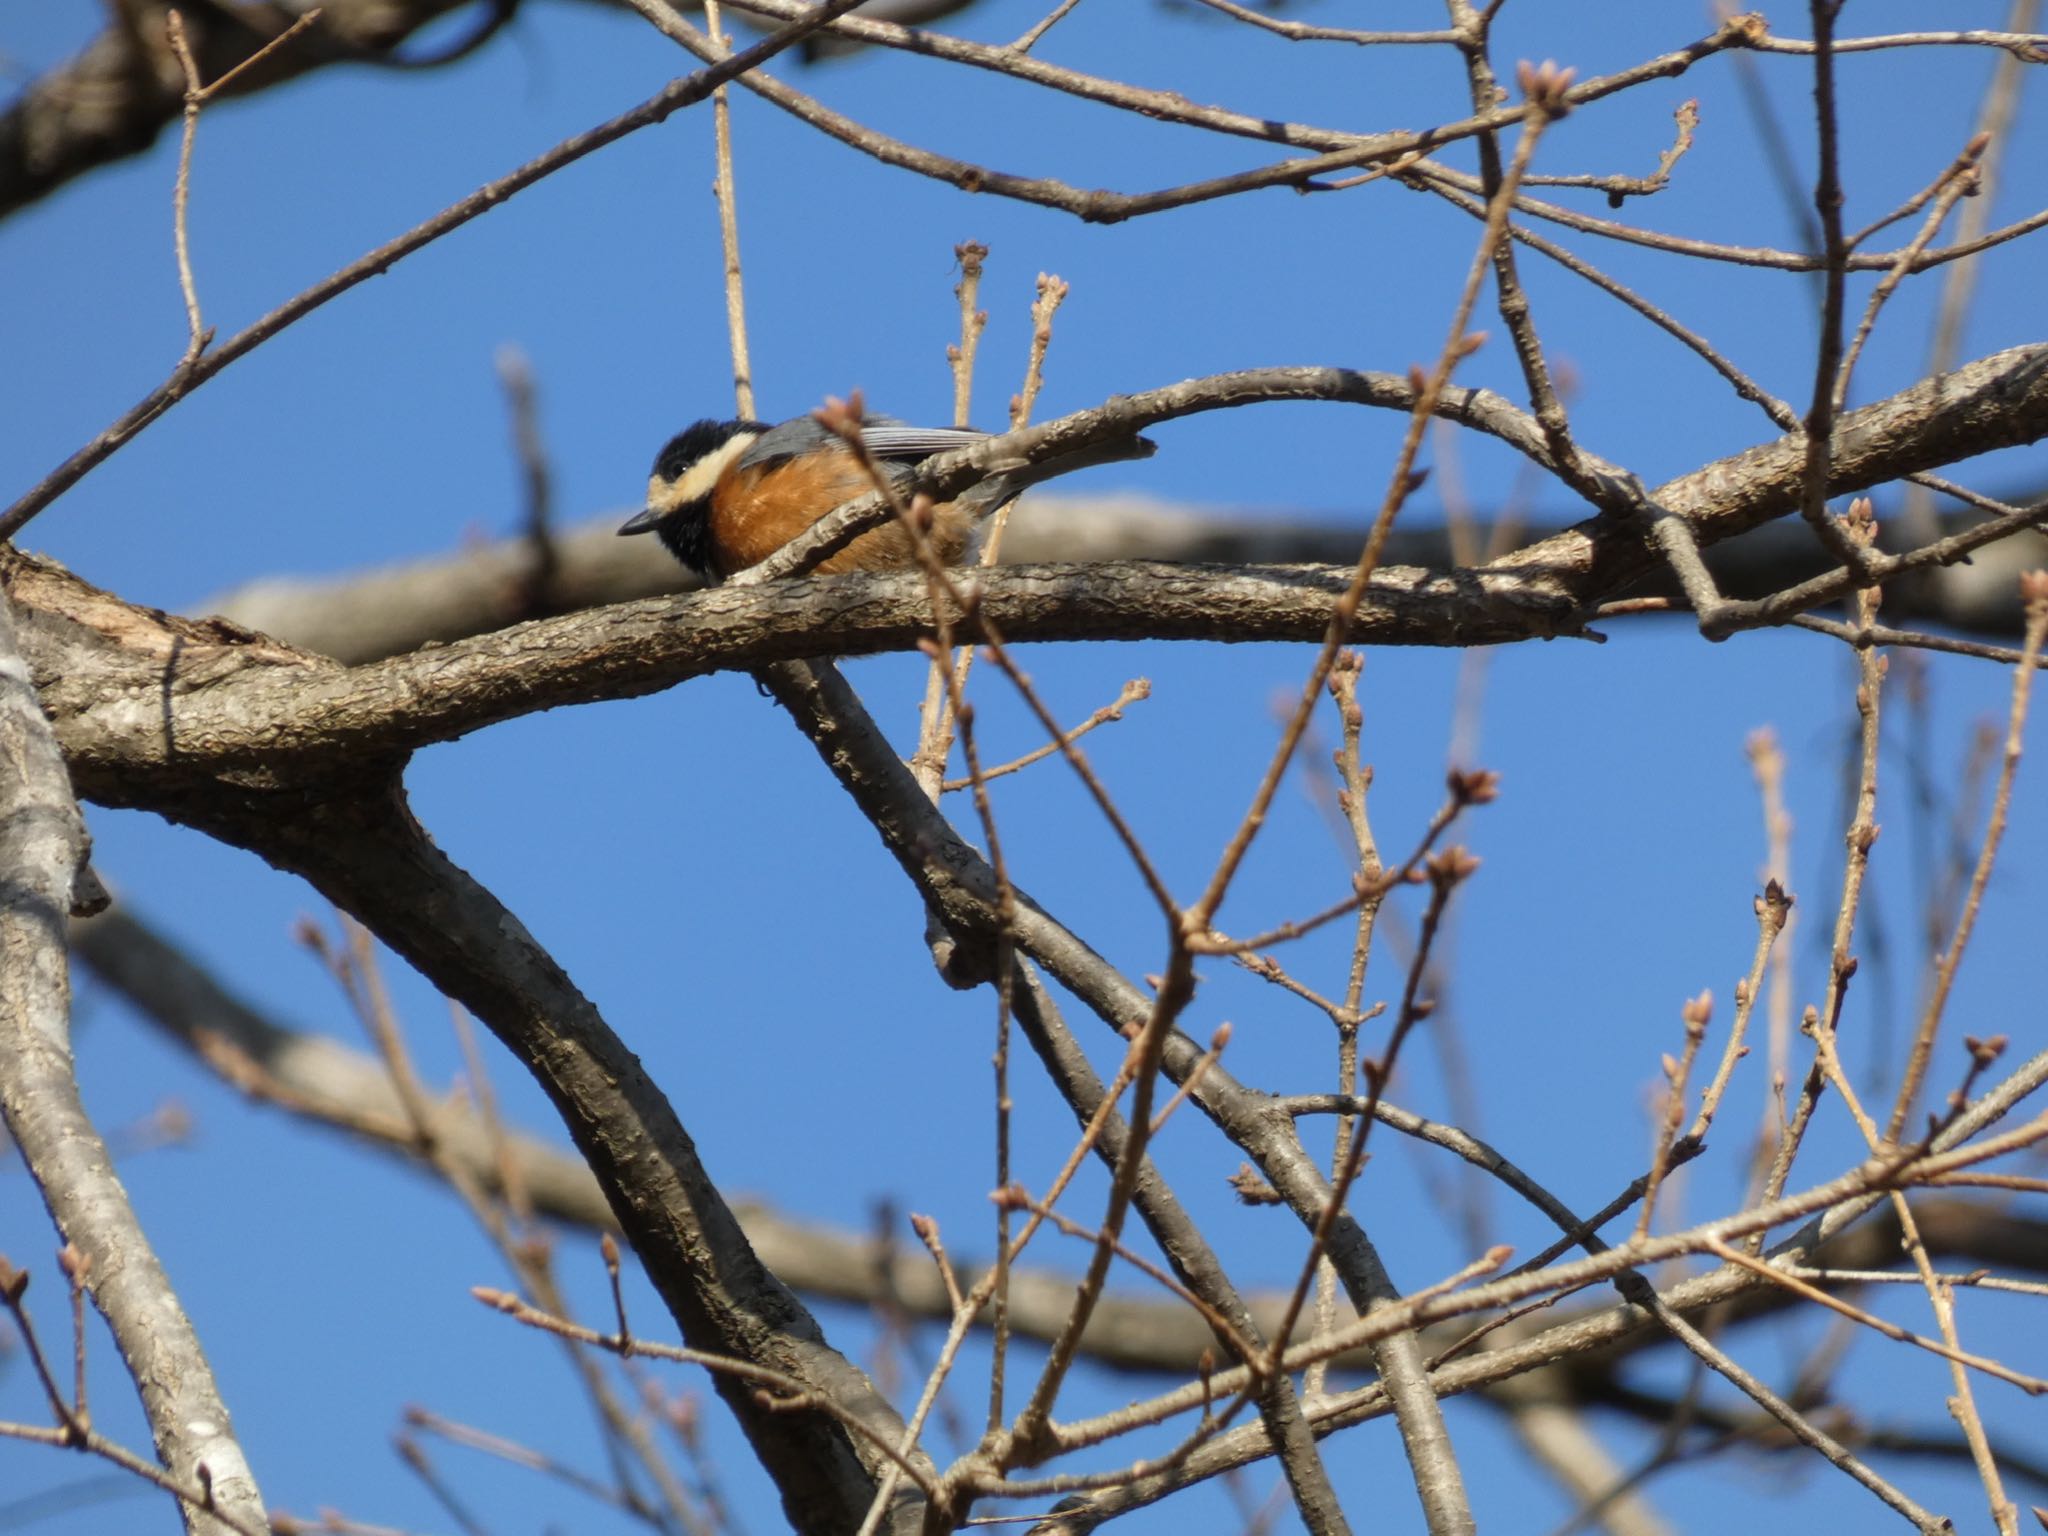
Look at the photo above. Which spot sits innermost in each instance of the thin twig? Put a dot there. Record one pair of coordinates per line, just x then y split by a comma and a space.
414, 1455
794, 1396
935, 745
13, 1283
2032, 1385
1355, 782
1512, 298
1676, 1075
1828, 381
1994, 118
1305, 32
515, 374
1803, 1428
1401, 485
1051, 19
1865, 638
1437, 175
1021, 1199
2028, 47
972, 255
1781, 414
181, 189
1447, 871
1052, 292
194, 1496
1862, 834
1957, 181
1468, 788
1687, 118
2034, 589
515, 1454
729, 229
197, 95
1132, 692
1773, 910
935, 719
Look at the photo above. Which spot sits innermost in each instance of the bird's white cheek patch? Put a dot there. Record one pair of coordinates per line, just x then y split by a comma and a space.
701, 476
695, 483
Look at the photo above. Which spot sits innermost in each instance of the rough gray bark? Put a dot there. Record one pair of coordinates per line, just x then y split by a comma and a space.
371, 614
42, 858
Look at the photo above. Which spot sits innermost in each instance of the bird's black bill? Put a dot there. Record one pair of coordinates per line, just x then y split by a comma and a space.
641, 522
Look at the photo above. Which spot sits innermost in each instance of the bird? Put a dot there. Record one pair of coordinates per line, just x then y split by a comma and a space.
724, 495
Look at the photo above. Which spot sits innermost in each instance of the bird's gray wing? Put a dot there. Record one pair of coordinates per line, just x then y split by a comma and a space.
899, 440
791, 440
886, 438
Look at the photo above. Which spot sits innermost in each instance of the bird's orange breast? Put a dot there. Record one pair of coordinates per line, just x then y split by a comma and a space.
757, 510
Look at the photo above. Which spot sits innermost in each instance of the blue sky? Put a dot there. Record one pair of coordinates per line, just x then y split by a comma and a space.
702, 878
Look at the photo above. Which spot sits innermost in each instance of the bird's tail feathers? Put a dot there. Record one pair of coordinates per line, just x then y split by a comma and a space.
1008, 484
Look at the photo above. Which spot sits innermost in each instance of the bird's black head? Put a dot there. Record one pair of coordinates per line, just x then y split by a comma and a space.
679, 487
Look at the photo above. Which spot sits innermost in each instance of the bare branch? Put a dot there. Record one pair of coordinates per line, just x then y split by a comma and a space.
43, 848
187, 377
116, 97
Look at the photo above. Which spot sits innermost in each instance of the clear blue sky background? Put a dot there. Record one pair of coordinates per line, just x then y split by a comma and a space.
705, 882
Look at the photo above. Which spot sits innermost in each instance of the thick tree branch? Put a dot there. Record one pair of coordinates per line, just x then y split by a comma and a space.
125, 88
140, 697
153, 696
363, 851
368, 615
371, 614
42, 859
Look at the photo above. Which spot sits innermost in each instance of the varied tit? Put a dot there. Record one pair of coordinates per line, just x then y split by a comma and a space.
725, 495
